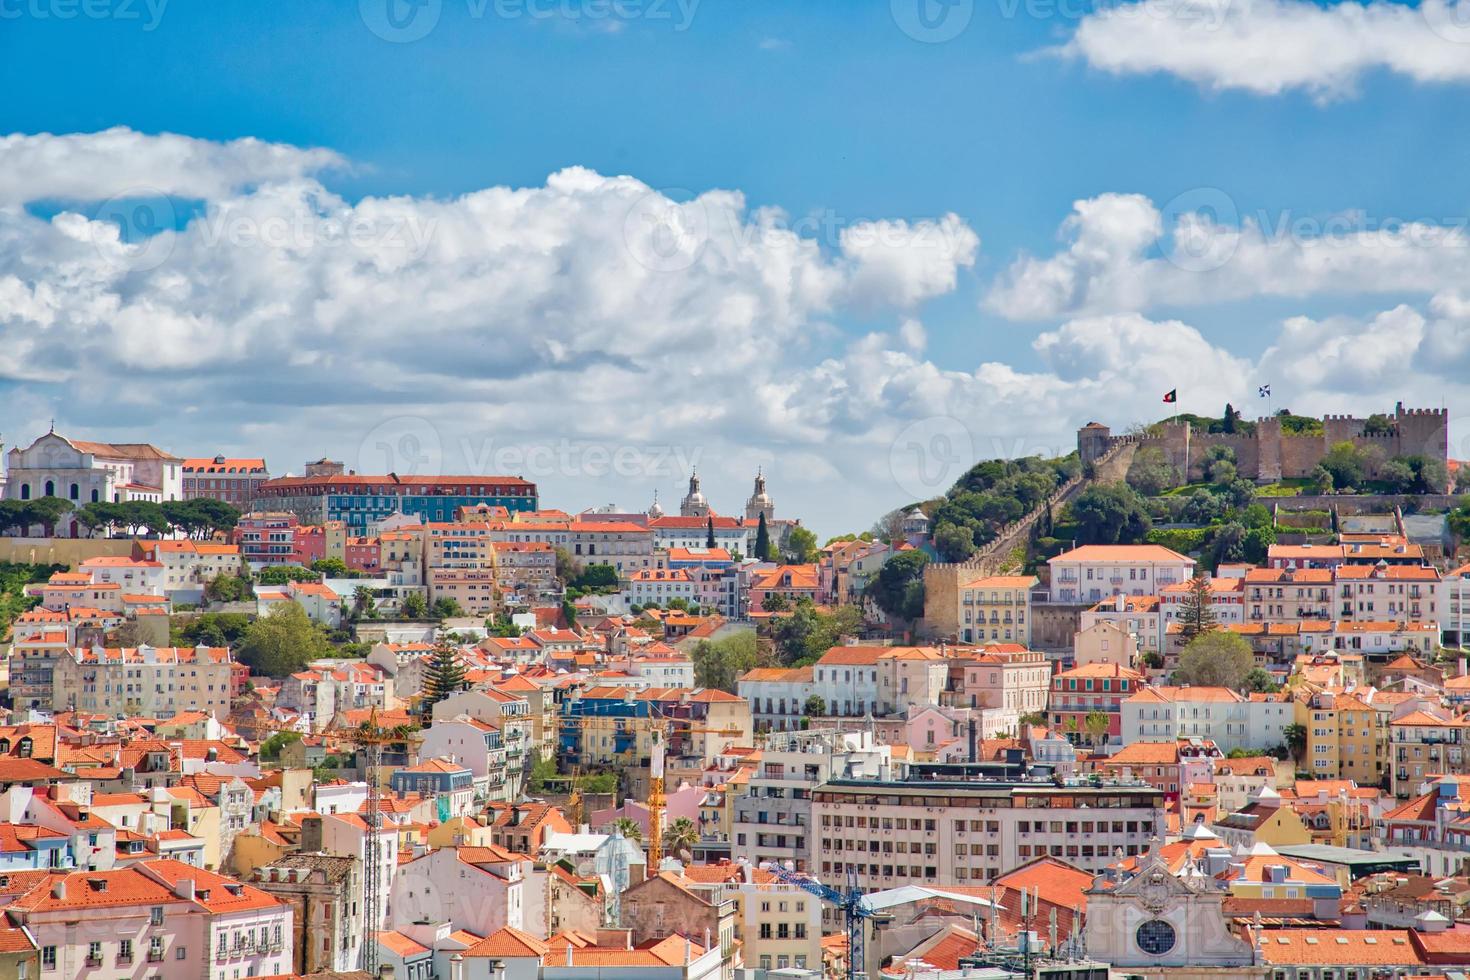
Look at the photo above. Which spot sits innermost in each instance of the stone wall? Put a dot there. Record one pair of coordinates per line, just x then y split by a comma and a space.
63, 551
1268, 454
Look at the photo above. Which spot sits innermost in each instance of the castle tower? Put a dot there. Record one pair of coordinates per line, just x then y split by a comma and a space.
694, 504
760, 502
1092, 441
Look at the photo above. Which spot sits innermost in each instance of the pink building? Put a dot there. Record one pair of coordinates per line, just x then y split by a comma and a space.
363, 554
155, 920
1081, 691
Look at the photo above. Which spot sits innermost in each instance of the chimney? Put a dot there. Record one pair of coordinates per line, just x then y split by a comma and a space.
706, 939
456, 967
58, 890
184, 888
569, 954
311, 834
688, 951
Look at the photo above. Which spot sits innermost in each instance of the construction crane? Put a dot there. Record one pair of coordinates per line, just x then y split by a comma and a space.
370, 737
657, 735
855, 911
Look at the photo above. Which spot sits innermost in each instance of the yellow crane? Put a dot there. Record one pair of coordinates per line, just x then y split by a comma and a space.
658, 734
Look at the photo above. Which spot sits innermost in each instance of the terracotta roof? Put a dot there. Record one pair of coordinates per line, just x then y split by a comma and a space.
1360, 947
1123, 552
508, 943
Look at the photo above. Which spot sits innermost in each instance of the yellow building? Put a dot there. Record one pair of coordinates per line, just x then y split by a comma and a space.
996, 609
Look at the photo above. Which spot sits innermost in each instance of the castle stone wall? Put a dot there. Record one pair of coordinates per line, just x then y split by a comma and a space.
1268, 454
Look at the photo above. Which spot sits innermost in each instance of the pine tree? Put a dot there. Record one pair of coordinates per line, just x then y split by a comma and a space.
444, 674
1198, 615
763, 540
709, 532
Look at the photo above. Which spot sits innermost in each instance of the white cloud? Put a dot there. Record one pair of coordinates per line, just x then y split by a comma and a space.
120, 161
1271, 46
552, 330
1120, 253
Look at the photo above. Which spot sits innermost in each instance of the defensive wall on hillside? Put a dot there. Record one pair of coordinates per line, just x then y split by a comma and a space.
1269, 454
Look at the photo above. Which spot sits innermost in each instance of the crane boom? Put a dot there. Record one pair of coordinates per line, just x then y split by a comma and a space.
855, 911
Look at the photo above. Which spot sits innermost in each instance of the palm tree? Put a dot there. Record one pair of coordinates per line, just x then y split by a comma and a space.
681, 836
1296, 741
1097, 725
362, 601
629, 828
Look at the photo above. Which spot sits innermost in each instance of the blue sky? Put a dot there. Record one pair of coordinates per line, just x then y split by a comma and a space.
820, 109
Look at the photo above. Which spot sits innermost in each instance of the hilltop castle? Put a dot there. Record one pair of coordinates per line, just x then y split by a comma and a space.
1269, 454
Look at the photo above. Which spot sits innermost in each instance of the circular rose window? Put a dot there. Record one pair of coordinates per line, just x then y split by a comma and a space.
1155, 937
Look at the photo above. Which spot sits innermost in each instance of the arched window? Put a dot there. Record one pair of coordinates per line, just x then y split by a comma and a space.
25, 491
76, 492
50, 488
94, 495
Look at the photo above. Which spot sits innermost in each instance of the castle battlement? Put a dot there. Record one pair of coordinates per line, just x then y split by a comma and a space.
1268, 453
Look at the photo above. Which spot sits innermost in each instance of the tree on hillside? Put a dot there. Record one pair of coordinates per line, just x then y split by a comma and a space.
954, 542
773, 602
1346, 464
566, 565
808, 633
1198, 615
282, 642
332, 567
763, 540
889, 527
414, 606
800, 547
443, 675
1110, 513
815, 707
1096, 725
1215, 659
227, 588
1259, 681
709, 532
1220, 466
719, 663
1151, 473
898, 588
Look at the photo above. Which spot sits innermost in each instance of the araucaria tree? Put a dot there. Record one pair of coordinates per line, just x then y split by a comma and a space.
1198, 614
444, 674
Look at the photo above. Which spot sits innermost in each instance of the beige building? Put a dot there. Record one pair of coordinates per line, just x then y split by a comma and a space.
911, 676
1106, 642
146, 682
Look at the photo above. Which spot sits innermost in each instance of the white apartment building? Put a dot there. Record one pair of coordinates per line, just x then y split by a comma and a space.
132, 576
938, 833
773, 819
1163, 714
1456, 607
1095, 571
1139, 615
657, 586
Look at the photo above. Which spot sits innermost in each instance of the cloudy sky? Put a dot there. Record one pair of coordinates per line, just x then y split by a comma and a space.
603, 243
